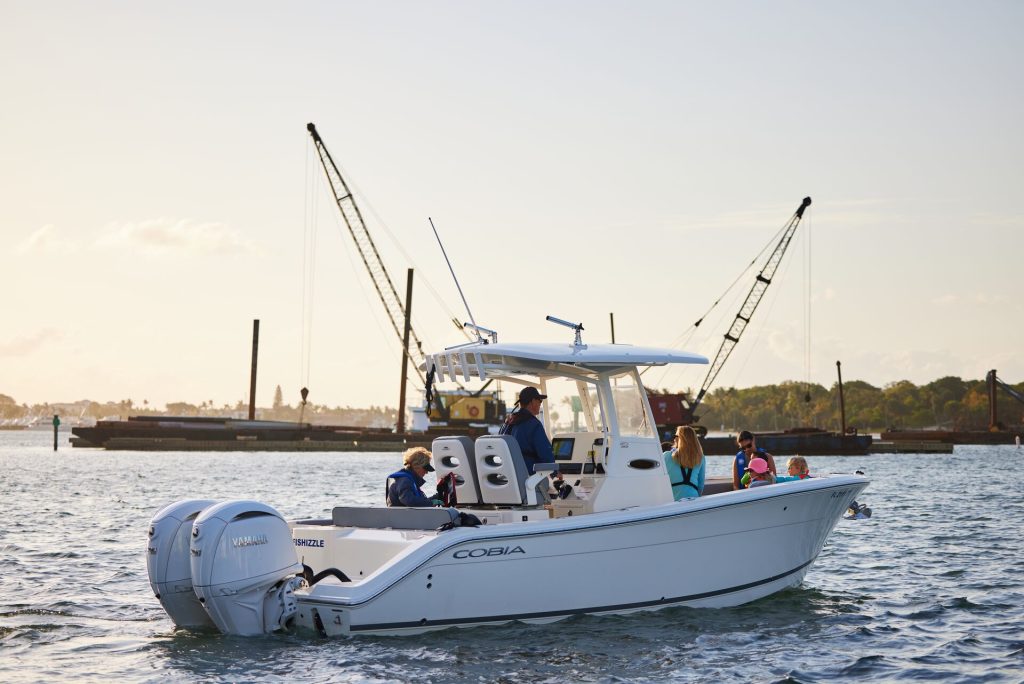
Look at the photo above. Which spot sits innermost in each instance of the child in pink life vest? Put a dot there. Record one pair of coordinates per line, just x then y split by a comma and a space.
760, 475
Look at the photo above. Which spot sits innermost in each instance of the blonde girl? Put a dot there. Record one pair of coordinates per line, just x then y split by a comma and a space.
685, 464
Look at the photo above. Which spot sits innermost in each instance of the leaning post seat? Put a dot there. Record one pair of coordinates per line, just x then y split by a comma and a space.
396, 517
502, 470
455, 454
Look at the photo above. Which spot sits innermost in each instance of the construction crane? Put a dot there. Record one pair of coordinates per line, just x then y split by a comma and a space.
993, 382
379, 275
450, 407
739, 324
672, 410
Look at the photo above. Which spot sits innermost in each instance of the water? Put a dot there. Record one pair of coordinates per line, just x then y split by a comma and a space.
930, 588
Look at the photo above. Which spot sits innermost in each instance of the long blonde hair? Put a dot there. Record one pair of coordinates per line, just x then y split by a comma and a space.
688, 453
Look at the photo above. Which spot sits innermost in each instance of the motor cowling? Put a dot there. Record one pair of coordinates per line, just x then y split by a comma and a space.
168, 562
244, 567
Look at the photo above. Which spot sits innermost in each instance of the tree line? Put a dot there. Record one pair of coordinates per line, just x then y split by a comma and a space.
87, 410
949, 403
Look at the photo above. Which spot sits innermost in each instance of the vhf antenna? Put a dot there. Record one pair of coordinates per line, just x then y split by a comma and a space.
474, 327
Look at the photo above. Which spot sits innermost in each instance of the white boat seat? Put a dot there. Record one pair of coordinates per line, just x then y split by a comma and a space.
455, 454
394, 517
502, 470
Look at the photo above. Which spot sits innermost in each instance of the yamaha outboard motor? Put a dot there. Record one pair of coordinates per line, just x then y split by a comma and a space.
244, 567
168, 563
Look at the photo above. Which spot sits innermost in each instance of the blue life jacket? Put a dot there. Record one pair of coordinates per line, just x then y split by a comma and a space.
403, 473
741, 460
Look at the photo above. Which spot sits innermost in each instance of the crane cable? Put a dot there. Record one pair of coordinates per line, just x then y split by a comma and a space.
729, 301
773, 299
364, 202
688, 333
806, 305
371, 301
810, 301
311, 218
693, 327
398, 245
310, 227
305, 279
354, 267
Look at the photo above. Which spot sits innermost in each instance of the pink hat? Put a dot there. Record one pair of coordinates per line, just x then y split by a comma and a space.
758, 465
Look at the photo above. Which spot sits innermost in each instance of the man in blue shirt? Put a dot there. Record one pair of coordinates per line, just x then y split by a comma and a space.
524, 425
748, 451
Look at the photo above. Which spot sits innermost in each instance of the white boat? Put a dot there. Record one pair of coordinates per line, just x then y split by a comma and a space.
616, 543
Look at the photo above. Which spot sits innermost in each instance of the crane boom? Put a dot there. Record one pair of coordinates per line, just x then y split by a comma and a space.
739, 324
994, 383
379, 275
1009, 389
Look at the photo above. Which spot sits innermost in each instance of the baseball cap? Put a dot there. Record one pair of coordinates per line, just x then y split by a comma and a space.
528, 394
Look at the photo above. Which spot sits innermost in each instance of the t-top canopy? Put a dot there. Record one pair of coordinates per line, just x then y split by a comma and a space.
482, 360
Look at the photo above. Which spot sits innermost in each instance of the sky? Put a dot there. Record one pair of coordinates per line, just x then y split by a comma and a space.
159, 191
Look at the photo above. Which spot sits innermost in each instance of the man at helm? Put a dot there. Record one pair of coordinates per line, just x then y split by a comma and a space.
524, 425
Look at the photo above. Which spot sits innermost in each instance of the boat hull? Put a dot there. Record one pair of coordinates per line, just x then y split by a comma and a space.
717, 551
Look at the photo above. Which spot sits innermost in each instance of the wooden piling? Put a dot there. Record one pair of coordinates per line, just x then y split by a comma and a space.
842, 403
252, 377
400, 427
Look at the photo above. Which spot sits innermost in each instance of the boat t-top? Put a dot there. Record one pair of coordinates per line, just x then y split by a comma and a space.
610, 540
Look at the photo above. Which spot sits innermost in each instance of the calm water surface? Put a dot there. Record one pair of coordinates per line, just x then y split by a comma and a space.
931, 588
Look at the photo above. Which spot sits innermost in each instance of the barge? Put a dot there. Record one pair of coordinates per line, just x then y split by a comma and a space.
162, 433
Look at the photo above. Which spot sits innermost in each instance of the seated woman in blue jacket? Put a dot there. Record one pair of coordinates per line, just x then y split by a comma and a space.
404, 486
685, 464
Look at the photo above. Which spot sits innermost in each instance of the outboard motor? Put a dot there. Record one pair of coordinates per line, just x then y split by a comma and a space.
244, 567
169, 565
857, 511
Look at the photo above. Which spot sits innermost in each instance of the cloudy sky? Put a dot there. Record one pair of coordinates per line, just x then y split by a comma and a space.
158, 188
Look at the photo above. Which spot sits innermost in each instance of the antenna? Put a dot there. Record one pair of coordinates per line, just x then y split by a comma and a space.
577, 327
474, 327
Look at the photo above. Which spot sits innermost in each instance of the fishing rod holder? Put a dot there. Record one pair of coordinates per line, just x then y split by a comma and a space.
481, 330
576, 327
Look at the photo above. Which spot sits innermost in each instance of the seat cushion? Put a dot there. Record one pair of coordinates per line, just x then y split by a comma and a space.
397, 518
